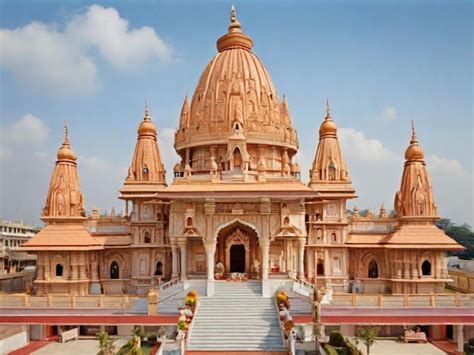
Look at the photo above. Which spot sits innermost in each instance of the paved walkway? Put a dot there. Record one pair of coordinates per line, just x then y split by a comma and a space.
393, 347
76, 347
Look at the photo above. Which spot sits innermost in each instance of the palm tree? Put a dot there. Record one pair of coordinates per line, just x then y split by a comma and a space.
368, 334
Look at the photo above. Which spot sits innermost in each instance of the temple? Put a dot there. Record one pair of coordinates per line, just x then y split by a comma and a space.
237, 207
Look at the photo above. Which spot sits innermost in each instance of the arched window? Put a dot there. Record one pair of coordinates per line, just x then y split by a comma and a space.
59, 270
114, 271
331, 172
320, 267
237, 159
286, 221
333, 237
426, 268
147, 238
373, 272
159, 269
189, 222
145, 172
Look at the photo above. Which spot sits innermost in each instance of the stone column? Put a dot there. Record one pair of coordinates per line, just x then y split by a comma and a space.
74, 266
82, 266
47, 266
301, 245
210, 247
40, 272
460, 337
184, 259
265, 251
174, 262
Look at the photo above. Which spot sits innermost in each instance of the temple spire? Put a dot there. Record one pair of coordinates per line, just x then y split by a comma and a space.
329, 164
415, 198
234, 23
64, 198
146, 167
234, 38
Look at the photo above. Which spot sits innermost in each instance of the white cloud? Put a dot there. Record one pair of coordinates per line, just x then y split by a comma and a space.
44, 58
28, 129
444, 166
62, 61
110, 34
356, 146
389, 113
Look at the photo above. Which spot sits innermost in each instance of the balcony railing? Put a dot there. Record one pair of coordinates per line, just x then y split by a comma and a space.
60, 301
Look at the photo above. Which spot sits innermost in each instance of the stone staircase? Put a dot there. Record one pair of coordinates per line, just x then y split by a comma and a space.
237, 317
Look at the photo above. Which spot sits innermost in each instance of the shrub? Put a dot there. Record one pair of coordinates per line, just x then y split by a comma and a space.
152, 338
336, 339
469, 347
329, 349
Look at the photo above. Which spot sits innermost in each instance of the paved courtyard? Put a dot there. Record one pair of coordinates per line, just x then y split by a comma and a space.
392, 347
381, 347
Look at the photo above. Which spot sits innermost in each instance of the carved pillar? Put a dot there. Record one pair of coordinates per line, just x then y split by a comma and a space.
406, 265
74, 266
265, 251
47, 267
174, 261
414, 266
184, 259
82, 266
460, 337
40, 273
301, 245
210, 247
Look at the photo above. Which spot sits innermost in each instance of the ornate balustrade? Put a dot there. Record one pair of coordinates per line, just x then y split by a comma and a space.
64, 301
448, 300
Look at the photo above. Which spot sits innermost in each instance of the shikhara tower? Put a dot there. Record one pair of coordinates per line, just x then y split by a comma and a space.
237, 203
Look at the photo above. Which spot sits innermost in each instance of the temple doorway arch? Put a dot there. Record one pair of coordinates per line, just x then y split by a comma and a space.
237, 249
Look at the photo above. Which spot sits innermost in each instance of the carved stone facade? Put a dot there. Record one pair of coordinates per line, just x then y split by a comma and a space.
237, 204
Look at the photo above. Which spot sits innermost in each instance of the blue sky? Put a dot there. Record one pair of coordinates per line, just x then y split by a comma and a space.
380, 63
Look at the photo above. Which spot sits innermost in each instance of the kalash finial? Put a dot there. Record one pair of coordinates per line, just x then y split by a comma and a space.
328, 110
413, 133
66, 133
234, 23
147, 112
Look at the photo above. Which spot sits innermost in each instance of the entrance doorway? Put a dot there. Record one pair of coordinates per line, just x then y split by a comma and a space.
237, 258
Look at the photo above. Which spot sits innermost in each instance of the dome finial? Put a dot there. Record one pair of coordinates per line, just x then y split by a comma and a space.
234, 23
66, 132
147, 112
328, 109
413, 133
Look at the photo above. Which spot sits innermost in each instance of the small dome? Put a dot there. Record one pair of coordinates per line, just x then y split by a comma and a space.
177, 167
66, 153
328, 127
147, 127
414, 152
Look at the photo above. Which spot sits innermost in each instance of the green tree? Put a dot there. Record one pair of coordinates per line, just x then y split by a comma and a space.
368, 335
462, 234
105, 344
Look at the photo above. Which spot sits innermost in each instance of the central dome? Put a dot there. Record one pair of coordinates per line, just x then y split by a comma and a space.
235, 92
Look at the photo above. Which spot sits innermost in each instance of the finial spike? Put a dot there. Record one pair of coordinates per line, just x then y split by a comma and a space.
233, 13
66, 132
413, 132
328, 109
147, 112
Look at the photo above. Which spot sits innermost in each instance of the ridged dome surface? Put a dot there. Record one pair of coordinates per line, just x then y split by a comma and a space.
235, 86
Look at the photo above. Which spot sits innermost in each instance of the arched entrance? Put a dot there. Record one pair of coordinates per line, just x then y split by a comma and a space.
237, 258
237, 249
